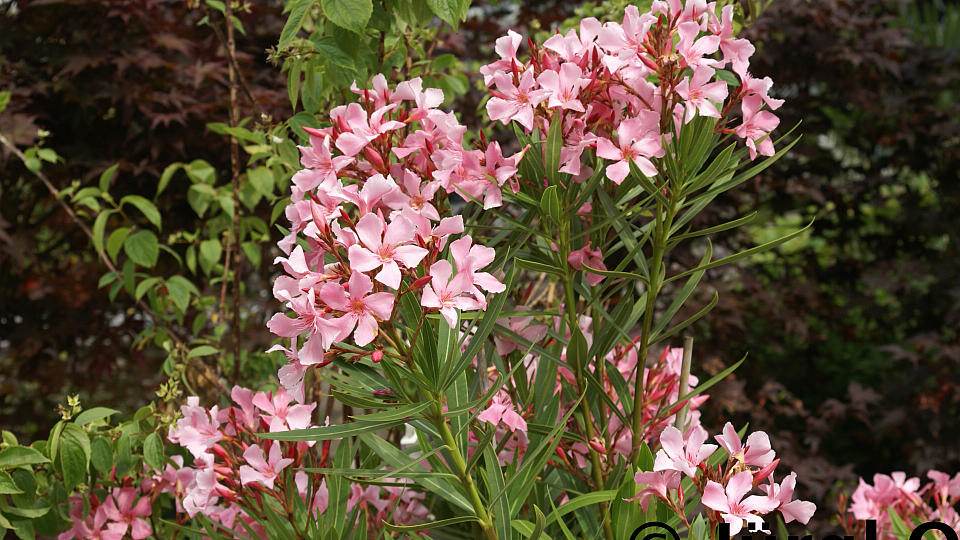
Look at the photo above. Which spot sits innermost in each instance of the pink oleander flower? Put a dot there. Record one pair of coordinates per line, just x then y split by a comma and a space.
657, 485
733, 507
592, 258
699, 93
501, 410
638, 141
361, 310
310, 318
280, 414
757, 125
261, 470
693, 49
944, 486
782, 493
506, 48
683, 454
757, 451
321, 166
564, 86
735, 51
425, 100
358, 132
517, 102
127, 516
447, 295
469, 257
198, 430
291, 374
384, 246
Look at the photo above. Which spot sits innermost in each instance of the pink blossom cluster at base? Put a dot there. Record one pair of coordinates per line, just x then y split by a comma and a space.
725, 488
934, 501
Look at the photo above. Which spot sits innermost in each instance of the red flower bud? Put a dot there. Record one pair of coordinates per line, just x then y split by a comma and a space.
763, 473
420, 283
376, 356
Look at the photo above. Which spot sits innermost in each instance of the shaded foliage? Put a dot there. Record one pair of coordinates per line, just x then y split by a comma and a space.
860, 320
128, 82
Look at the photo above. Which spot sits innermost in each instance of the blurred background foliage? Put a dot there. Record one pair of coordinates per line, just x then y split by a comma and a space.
852, 329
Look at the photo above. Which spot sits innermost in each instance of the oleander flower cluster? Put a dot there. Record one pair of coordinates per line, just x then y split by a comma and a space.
725, 486
625, 90
935, 500
370, 221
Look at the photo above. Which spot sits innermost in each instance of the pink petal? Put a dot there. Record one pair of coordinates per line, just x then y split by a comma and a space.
362, 259
739, 485
714, 497
410, 256
360, 284
370, 230
801, 511
351, 144
380, 304
390, 275
366, 330
618, 171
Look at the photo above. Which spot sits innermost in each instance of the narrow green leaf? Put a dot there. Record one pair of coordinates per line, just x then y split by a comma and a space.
330, 432
400, 413
501, 506
534, 266
552, 147
550, 204
429, 524
99, 226
580, 501
737, 256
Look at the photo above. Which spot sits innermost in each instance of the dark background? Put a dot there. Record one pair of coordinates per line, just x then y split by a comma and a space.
852, 331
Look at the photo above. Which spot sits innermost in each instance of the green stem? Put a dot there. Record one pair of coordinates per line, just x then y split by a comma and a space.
664, 221
461, 466
580, 365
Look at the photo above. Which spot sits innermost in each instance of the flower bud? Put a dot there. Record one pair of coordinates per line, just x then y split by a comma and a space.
376, 356
420, 283
763, 473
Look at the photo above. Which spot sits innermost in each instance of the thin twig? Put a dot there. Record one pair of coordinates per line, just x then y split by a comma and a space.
235, 180
86, 230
